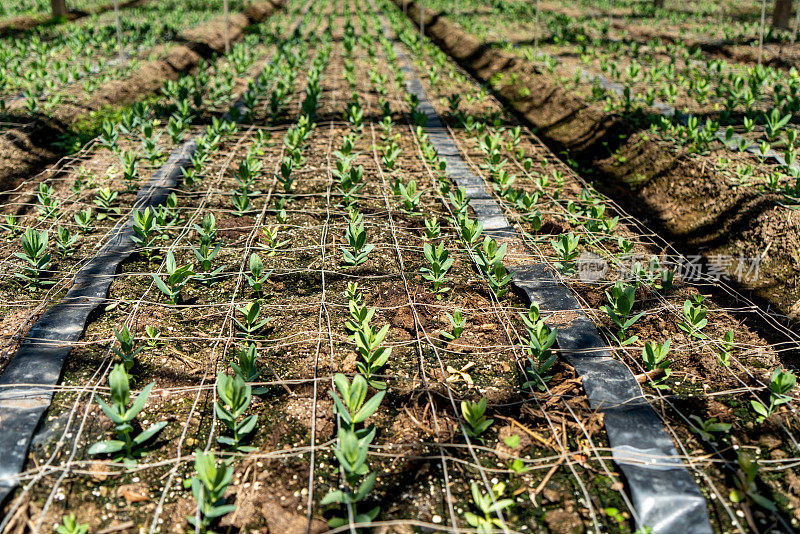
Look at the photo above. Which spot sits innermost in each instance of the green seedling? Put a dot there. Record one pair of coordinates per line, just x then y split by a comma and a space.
351, 404
247, 173
390, 153
498, 278
280, 210
351, 451
126, 447
167, 215
457, 323
410, 197
234, 399
489, 254
695, 315
487, 506
440, 262
706, 428
145, 230
37, 259
518, 466
471, 230
475, 421
360, 315
432, 228
47, 202
83, 219
126, 350
152, 151
205, 254
655, 358
726, 349
538, 348
193, 174
354, 114
250, 323
566, 247
459, 201
624, 245
356, 237
621, 300
69, 525
746, 488
526, 204
775, 122
353, 293
208, 488
65, 241
104, 201
247, 367
285, 174
177, 277
453, 101
258, 277
780, 384
175, 128
153, 336
12, 226
129, 162
373, 356
109, 136
241, 203
272, 242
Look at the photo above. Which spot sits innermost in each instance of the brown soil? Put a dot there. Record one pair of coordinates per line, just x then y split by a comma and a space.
305, 342
681, 196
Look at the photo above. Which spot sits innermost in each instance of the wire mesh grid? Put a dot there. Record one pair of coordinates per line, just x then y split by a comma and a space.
306, 341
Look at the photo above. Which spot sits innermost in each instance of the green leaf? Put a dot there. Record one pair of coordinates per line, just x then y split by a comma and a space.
109, 411
162, 286
139, 402
334, 497
501, 505
247, 426
369, 408
759, 408
366, 486
107, 447
218, 511
149, 433
340, 408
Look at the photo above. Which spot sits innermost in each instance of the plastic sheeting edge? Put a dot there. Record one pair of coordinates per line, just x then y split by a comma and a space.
663, 492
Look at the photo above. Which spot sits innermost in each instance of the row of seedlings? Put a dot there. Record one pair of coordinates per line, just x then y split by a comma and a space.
685, 344
138, 345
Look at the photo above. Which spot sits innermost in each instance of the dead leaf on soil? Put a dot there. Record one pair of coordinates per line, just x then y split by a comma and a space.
133, 493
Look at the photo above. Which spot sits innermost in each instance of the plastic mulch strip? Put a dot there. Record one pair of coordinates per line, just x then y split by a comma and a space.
27, 384
664, 494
